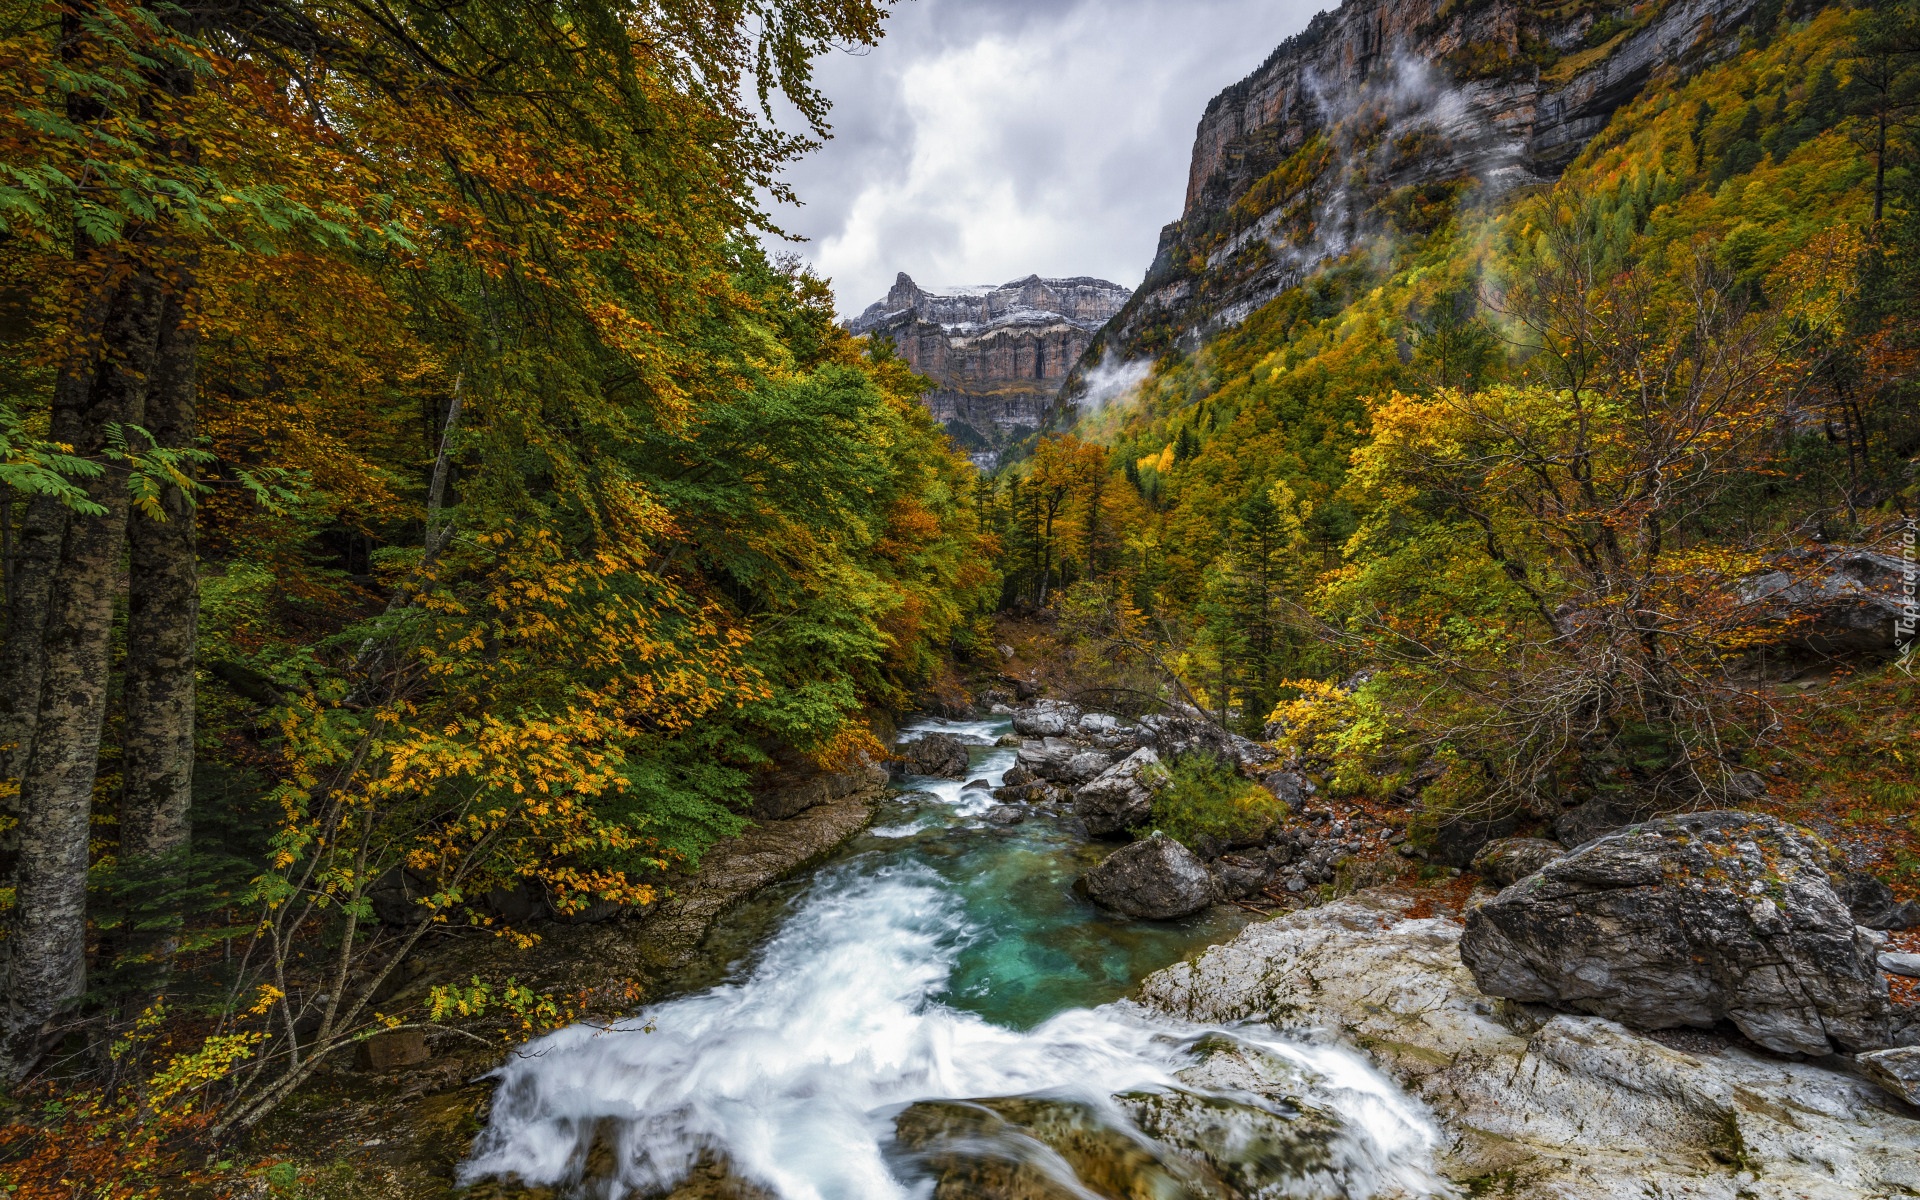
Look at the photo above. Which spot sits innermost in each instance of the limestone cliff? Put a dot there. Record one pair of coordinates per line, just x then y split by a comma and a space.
1381, 115
997, 354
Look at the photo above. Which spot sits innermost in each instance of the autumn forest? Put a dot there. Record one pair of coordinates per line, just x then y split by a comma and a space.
427, 482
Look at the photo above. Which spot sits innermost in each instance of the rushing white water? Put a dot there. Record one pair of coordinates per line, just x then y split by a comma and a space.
795, 1071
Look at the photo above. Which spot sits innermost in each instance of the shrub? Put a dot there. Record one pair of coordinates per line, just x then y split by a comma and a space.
1202, 796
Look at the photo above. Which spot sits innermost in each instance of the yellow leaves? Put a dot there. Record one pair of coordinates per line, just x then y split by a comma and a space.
266, 998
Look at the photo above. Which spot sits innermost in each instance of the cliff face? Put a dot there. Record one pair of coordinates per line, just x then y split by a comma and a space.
1381, 115
998, 354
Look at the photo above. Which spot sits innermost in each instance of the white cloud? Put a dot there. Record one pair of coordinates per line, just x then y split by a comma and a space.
983, 141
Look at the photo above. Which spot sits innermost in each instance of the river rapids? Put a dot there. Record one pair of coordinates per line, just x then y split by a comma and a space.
936, 958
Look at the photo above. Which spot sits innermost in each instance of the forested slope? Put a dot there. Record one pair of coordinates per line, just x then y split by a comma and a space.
419, 486
1507, 507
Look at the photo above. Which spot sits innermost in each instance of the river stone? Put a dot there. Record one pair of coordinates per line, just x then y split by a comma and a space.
1046, 719
1242, 876
1873, 903
1897, 1070
1098, 725
1508, 860
1118, 799
1158, 879
1011, 1148
1546, 1106
1253, 1149
933, 754
1689, 920
1048, 758
1901, 964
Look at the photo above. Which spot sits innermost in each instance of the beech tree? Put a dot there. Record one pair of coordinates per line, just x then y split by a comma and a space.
557, 189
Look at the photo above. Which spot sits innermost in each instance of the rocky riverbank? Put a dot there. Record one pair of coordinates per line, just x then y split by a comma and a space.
1548, 1104
397, 1121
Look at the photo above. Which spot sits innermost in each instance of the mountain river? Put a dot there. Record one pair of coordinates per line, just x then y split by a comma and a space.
936, 957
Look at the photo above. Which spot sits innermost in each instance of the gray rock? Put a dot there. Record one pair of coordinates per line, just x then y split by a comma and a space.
1548, 1107
1046, 719
1507, 860
1007, 740
1872, 902
1088, 764
1851, 598
1689, 920
1242, 876
1118, 799
1048, 758
1289, 787
932, 754
1455, 839
1254, 1149
1599, 816
976, 785
1099, 724
1158, 879
1901, 964
1897, 1070
1005, 815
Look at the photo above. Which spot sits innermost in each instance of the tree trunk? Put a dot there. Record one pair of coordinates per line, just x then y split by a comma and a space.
42, 527
163, 609
43, 955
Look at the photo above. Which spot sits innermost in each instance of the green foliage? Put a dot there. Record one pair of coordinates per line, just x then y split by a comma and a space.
1202, 796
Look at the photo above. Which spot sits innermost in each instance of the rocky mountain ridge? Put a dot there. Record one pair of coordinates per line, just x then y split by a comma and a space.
1380, 117
998, 354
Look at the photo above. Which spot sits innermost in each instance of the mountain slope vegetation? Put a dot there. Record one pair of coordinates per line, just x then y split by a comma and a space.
1474, 511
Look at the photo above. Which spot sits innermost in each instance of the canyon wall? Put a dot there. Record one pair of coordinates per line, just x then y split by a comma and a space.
997, 354
1384, 114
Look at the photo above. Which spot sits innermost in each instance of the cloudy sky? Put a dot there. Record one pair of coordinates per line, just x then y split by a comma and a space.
986, 140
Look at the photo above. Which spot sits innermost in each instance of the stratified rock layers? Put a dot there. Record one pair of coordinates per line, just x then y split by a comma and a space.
1309, 155
998, 354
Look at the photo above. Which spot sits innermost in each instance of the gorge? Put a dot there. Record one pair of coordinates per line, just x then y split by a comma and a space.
1414, 701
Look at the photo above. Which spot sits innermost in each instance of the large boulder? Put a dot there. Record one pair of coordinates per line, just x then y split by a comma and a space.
1158, 879
932, 754
1841, 597
1689, 920
1047, 758
1047, 719
1534, 1105
1119, 798
1506, 861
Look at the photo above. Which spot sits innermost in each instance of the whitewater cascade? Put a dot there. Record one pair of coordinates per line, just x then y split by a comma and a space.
794, 1071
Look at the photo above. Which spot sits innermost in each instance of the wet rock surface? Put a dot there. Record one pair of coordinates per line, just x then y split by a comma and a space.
1236, 1128
1157, 878
932, 754
1690, 920
1540, 1105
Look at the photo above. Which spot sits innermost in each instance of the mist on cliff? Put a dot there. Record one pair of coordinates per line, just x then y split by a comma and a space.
987, 140
1110, 381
